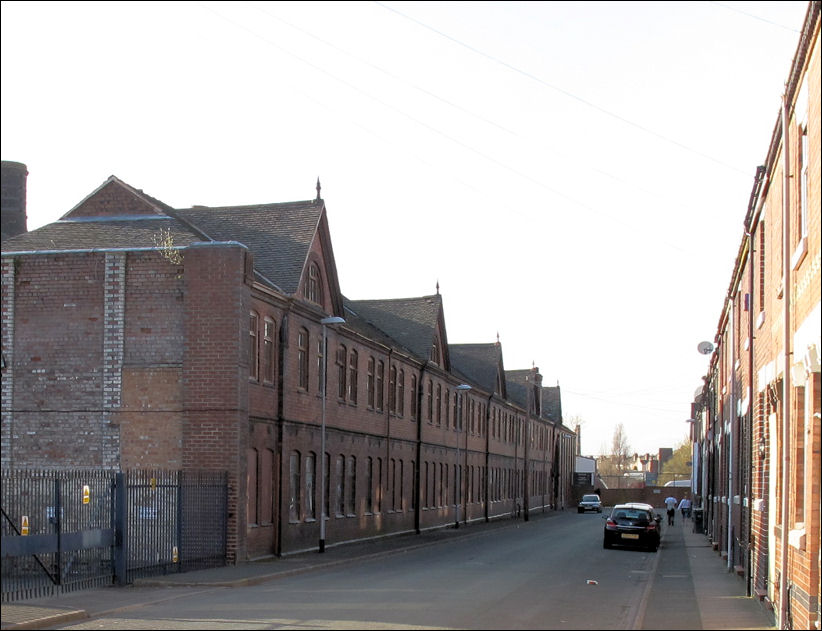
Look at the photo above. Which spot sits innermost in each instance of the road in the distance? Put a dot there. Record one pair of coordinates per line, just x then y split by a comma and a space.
543, 574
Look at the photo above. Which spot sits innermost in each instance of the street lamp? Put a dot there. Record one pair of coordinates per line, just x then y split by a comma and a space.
333, 320
463, 387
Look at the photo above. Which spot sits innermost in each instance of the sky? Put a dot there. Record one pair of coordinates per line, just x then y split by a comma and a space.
573, 176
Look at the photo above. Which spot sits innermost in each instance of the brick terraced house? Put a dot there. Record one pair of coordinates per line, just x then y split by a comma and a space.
756, 431
136, 335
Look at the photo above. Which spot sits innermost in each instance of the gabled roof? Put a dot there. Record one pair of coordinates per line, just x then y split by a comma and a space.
412, 322
480, 364
278, 235
116, 215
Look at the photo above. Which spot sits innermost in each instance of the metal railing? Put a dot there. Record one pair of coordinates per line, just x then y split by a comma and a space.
64, 530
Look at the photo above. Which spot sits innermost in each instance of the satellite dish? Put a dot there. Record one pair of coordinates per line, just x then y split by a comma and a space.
706, 348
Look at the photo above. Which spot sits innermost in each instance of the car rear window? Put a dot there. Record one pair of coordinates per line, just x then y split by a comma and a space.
632, 516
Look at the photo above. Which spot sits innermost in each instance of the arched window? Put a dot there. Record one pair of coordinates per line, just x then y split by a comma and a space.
352, 485
252, 484
353, 370
401, 393
392, 389
413, 397
310, 471
435, 350
342, 359
439, 404
430, 400
294, 487
340, 474
253, 346
302, 359
369, 382
312, 290
380, 385
269, 331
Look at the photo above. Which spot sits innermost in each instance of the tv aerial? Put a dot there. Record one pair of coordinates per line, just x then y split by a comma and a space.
706, 348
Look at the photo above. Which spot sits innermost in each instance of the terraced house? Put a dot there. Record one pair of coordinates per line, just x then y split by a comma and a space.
757, 454
136, 335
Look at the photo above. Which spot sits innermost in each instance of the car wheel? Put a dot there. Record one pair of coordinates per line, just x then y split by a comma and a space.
606, 544
579, 510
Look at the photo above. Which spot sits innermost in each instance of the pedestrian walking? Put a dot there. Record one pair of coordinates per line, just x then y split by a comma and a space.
670, 504
685, 507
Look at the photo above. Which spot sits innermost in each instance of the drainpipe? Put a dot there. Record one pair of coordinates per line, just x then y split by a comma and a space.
486, 483
281, 367
749, 230
734, 417
786, 378
416, 472
392, 395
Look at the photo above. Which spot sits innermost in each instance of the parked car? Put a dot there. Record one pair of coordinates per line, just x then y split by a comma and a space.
632, 525
590, 502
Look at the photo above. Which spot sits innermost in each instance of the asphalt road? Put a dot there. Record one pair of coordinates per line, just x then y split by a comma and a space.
538, 575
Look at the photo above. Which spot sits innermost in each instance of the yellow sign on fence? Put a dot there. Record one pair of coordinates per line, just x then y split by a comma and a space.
24, 528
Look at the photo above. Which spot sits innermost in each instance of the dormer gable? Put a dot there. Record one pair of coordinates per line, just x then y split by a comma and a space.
113, 199
319, 284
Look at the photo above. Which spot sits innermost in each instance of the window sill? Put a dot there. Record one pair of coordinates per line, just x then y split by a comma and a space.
760, 319
799, 253
796, 537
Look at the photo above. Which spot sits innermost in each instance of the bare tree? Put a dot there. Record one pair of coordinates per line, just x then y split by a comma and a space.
620, 449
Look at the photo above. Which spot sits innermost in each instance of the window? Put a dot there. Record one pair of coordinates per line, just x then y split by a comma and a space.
435, 350
311, 289
327, 498
380, 387
265, 503
379, 485
430, 399
352, 377
393, 477
321, 371
447, 407
340, 475
352, 485
253, 348
413, 397
302, 359
342, 358
439, 404
269, 330
392, 389
309, 487
369, 382
252, 486
369, 485
294, 487
401, 393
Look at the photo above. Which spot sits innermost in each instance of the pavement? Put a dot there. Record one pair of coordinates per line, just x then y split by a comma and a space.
714, 598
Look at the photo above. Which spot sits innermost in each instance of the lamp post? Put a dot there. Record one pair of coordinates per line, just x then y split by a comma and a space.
463, 387
333, 320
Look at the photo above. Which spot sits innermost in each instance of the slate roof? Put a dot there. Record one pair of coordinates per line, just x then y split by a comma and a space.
552, 404
107, 233
412, 322
479, 363
278, 235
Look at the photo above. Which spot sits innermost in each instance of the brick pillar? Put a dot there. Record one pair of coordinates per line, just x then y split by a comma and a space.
215, 373
114, 304
6, 453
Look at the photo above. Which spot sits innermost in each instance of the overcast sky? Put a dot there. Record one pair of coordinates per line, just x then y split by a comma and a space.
574, 175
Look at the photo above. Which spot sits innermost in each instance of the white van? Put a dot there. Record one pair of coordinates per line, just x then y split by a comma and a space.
685, 483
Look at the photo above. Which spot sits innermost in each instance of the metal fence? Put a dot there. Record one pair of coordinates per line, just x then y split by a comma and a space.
66, 530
